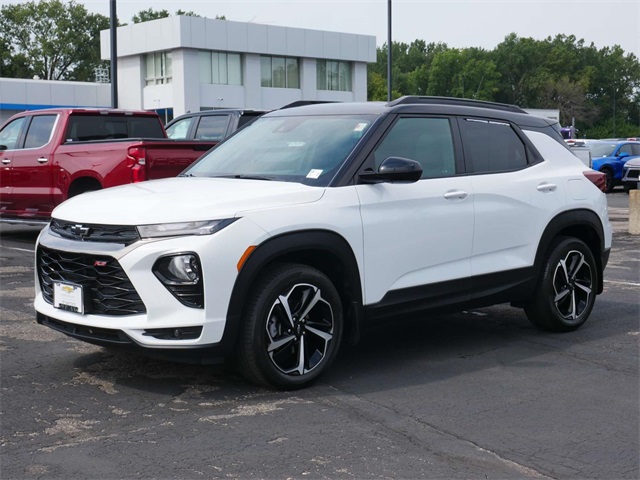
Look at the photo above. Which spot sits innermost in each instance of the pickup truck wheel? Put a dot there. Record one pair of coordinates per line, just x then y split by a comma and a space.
610, 181
565, 293
83, 185
292, 327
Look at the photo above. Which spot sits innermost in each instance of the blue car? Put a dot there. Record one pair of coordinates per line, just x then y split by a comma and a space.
610, 156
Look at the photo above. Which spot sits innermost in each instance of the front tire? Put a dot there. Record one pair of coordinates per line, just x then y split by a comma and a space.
566, 289
292, 327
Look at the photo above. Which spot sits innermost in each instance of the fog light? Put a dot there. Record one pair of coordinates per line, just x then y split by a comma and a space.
181, 275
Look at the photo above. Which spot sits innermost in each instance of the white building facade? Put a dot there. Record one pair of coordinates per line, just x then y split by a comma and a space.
188, 64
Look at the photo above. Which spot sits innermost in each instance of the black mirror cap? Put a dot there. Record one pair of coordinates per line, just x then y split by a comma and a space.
3, 147
394, 170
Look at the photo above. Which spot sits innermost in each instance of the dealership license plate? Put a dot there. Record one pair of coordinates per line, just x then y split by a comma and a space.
67, 296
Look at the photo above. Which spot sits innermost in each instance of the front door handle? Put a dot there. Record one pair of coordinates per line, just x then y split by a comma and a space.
43, 160
456, 195
547, 187
6, 161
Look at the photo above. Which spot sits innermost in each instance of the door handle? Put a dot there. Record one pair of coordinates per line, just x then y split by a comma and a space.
6, 161
456, 195
43, 160
547, 187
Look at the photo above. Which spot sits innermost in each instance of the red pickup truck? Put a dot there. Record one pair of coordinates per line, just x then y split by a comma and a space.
47, 156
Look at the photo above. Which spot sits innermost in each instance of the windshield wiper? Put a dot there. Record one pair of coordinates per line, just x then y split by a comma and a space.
245, 177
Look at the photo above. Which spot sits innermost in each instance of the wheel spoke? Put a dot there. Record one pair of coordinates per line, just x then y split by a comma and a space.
311, 304
584, 288
274, 345
573, 305
324, 335
574, 271
284, 301
300, 367
562, 294
563, 264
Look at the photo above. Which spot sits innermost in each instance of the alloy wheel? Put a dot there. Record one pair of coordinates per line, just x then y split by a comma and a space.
572, 285
299, 330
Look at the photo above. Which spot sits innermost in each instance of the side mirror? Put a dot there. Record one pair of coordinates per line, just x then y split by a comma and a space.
394, 170
3, 147
623, 155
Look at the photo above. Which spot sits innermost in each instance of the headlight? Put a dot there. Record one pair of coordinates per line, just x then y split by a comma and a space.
206, 227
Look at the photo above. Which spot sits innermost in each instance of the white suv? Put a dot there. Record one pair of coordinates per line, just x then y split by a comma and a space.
279, 244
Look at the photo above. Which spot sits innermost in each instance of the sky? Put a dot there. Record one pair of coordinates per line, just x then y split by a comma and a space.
458, 23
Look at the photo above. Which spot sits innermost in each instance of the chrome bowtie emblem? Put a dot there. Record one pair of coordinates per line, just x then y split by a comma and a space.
80, 230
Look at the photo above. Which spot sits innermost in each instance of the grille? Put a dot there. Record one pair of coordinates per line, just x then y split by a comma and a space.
633, 174
95, 233
107, 289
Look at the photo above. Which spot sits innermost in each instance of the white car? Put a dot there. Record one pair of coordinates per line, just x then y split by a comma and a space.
631, 174
279, 244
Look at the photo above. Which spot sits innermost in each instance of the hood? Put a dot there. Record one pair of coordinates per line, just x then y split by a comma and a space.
182, 199
634, 162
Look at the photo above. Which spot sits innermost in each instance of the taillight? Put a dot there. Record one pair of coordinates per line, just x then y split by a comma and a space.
137, 157
599, 179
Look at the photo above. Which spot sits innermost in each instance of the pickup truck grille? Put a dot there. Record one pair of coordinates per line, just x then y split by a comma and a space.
107, 289
125, 234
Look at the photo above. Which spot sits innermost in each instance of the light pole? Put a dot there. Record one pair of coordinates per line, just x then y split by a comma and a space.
113, 25
388, 50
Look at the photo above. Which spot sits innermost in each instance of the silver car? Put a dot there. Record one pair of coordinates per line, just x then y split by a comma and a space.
631, 174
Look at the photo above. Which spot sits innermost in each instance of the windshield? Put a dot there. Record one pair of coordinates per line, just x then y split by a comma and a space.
303, 149
602, 149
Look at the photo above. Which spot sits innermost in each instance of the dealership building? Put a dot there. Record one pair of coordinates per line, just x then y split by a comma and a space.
185, 64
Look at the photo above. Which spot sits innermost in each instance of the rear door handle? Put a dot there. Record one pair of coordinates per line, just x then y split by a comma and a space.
6, 161
43, 160
547, 187
456, 195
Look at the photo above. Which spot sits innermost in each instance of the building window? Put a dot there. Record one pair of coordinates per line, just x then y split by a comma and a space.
159, 70
280, 72
334, 75
220, 68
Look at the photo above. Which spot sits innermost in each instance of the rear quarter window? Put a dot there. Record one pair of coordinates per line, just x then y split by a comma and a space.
491, 146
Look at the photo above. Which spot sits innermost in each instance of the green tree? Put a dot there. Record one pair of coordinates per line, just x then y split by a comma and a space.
51, 39
149, 14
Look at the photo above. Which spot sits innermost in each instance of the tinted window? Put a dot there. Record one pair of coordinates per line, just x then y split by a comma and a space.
426, 140
626, 148
212, 128
83, 128
179, 130
40, 131
491, 146
246, 118
9, 134
635, 149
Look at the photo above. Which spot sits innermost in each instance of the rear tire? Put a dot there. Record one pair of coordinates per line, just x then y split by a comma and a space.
566, 290
292, 327
610, 181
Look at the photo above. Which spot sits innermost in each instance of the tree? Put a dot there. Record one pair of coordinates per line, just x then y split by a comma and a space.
149, 14
50, 39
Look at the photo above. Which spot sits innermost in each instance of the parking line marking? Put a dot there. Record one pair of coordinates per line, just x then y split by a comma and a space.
623, 283
20, 249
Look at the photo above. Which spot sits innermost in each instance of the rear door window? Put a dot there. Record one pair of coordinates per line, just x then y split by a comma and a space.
212, 127
40, 130
491, 146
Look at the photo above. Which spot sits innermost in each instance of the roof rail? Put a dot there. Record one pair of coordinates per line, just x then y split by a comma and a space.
463, 102
302, 103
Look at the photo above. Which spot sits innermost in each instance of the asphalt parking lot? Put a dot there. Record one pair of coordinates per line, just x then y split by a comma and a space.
477, 394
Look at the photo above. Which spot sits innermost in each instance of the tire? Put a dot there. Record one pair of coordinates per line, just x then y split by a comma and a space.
281, 346
610, 181
565, 293
628, 187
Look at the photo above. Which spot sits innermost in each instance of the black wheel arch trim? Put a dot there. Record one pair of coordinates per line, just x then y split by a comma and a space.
564, 222
281, 246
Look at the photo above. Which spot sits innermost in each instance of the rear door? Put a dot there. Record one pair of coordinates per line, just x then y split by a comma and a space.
516, 194
31, 168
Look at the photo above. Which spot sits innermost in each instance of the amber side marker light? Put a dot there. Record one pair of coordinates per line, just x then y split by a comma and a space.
599, 179
247, 253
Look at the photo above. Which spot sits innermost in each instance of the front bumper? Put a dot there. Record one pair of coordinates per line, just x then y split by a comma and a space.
215, 337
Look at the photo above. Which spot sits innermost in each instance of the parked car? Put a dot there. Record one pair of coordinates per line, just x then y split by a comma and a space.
581, 150
631, 174
281, 243
609, 157
210, 125
48, 156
